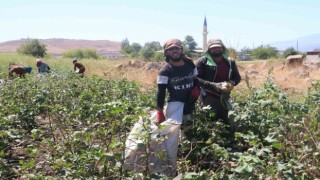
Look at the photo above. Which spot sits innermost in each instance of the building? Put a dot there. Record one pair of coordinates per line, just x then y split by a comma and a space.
205, 35
198, 52
111, 54
313, 55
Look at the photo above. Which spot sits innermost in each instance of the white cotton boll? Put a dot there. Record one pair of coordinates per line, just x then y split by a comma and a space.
224, 85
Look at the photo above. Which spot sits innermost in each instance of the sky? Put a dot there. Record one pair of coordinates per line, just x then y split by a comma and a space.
245, 23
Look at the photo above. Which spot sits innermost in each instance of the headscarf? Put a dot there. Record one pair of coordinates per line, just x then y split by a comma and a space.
28, 69
172, 43
39, 62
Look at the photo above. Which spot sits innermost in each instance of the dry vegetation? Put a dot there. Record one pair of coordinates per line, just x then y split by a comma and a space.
290, 79
293, 80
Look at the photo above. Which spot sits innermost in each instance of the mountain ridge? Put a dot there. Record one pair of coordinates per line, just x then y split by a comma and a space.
304, 44
57, 46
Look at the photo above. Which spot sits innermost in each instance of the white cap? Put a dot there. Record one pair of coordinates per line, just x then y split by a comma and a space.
215, 45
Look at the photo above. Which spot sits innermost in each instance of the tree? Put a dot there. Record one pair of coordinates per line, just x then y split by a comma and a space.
149, 49
135, 47
124, 43
264, 52
125, 47
189, 44
289, 51
131, 50
33, 47
127, 50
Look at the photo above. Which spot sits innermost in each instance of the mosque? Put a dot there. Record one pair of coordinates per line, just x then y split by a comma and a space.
205, 35
198, 52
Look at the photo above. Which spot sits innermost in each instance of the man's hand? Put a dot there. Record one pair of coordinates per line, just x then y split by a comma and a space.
227, 87
160, 118
223, 87
195, 93
216, 86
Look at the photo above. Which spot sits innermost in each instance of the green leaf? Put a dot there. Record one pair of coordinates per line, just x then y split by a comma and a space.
271, 137
276, 145
241, 168
141, 145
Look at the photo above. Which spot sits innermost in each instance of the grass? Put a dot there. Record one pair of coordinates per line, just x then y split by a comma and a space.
257, 71
93, 67
102, 67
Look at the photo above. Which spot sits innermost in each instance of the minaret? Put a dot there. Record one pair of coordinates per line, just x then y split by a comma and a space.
205, 35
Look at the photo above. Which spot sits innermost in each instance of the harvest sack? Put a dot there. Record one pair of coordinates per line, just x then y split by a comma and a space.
162, 155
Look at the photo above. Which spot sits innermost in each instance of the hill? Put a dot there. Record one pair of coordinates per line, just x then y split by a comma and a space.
57, 46
306, 43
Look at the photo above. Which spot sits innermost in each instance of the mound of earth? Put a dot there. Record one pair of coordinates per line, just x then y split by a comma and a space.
294, 79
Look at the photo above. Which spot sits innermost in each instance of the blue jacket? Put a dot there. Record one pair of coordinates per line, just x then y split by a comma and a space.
43, 68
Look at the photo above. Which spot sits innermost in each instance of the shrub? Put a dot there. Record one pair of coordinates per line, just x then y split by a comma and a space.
289, 51
159, 56
33, 47
81, 53
264, 52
